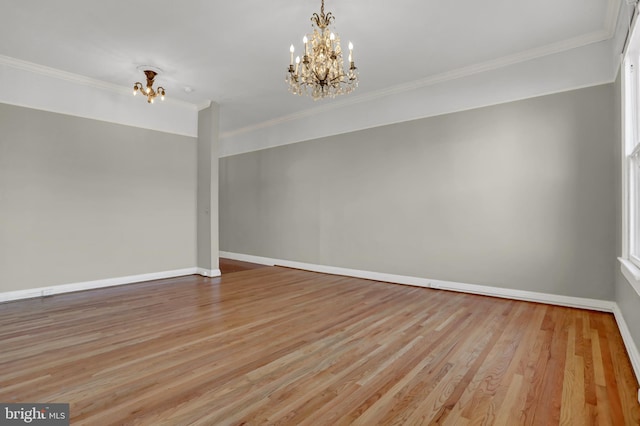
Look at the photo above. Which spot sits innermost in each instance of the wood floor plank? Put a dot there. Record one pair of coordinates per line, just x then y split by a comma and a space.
273, 345
228, 266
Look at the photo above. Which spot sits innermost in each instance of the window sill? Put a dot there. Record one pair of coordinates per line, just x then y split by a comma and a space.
631, 272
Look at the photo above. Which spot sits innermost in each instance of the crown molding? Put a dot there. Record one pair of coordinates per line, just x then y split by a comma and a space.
611, 17
58, 74
204, 105
447, 111
77, 78
524, 56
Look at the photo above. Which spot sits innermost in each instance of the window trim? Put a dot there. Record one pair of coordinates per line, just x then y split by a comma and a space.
630, 145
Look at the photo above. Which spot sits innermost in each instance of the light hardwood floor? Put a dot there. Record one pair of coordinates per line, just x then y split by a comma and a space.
228, 266
283, 346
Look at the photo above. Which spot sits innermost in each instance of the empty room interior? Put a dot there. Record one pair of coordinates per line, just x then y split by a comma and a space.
320, 213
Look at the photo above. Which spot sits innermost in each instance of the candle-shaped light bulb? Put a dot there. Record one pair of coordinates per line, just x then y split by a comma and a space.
305, 40
350, 52
291, 49
297, 62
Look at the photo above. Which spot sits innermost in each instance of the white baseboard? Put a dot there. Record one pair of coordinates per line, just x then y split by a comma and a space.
89, 285
248, 258
506, 293
527, 296
209, 272
630, 345
333, 270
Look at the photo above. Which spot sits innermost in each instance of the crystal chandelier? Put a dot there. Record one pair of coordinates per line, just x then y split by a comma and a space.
148, 91
321, 74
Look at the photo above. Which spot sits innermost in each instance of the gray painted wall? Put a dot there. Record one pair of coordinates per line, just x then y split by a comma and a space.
208, 126
83, 200
518, 195
626, 297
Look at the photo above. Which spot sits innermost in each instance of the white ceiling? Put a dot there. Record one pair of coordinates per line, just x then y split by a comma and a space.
236, 52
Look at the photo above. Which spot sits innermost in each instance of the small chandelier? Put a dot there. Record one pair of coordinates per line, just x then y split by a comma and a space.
321, 74
148, 91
